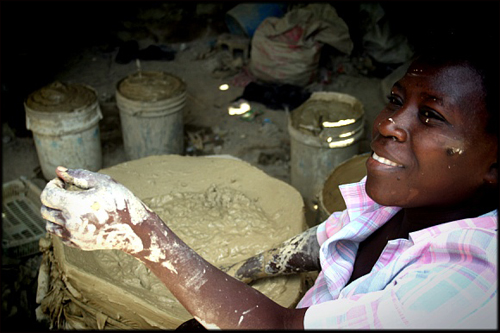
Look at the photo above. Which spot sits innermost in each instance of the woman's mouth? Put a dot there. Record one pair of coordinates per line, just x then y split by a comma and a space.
385, 161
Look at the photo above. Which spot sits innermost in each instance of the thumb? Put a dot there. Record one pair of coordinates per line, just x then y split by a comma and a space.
79, 178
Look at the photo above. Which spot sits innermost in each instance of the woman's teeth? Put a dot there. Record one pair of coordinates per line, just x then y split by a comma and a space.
385, 161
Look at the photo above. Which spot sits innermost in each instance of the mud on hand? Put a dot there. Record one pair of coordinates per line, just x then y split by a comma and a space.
91, 211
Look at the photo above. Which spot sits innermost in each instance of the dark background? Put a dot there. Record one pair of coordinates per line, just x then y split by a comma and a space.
38, 36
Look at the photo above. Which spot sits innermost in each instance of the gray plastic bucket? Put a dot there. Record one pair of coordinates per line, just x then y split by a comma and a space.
64, 119
151, 105
324, 132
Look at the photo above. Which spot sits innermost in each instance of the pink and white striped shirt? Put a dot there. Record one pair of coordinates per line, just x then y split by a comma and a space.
441, 277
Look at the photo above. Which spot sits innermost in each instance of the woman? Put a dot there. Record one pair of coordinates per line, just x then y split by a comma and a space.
415, 248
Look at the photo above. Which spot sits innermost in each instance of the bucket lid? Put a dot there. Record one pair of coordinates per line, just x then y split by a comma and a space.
151, 86
328, 119
61, 97
325, 111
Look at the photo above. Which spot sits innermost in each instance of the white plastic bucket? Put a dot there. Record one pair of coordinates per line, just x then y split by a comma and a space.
324, 132
151, 105
64, 119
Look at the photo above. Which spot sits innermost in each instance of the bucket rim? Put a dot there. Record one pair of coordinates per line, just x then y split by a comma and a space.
90, 105
57, 123
150, 109
172, 99
90, 108
355, 136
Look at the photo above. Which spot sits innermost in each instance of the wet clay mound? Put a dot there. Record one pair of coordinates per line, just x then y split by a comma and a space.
225, 209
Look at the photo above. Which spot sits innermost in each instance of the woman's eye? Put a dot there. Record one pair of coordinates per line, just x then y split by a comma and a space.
394, 100
429, 115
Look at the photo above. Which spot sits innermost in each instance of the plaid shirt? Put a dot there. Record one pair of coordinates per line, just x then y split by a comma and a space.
441, 277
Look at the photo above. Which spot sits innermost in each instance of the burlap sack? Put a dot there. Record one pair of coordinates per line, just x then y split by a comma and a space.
287, 50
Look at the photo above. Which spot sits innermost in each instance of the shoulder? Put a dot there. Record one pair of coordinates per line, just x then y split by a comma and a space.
467, 238
459, 256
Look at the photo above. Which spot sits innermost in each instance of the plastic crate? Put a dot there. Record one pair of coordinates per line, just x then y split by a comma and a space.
22, 223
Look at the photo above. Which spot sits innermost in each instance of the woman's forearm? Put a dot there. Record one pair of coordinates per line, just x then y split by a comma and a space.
213, 297
296, 255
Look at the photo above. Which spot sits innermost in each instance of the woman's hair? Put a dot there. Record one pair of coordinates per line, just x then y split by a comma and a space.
481, 54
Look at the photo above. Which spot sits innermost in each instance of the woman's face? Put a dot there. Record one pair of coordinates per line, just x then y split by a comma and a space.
430, 148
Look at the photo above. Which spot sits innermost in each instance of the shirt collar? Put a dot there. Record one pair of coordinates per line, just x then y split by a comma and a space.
358, 202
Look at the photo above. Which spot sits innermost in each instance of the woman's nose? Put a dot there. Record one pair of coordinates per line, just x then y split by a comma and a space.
393, 127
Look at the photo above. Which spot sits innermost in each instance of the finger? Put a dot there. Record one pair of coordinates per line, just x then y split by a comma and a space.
83, 179
60, 232
55, 229
72, 177
53, 215
53, 190
55, 183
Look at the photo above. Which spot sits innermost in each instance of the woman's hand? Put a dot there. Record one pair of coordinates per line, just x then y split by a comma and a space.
296, 255
91, 211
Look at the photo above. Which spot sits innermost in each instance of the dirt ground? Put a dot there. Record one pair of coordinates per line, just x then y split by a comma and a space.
68, 51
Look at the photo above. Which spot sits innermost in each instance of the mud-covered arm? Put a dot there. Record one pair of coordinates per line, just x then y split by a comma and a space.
296, 255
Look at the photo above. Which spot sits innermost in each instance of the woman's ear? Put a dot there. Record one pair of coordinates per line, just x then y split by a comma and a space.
491, 176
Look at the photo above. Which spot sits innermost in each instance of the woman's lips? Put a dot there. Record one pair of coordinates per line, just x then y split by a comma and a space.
386, 161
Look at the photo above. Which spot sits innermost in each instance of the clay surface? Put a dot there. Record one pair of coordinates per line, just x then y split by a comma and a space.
225, 209
61, 97
151, 86
327, 111
319, 111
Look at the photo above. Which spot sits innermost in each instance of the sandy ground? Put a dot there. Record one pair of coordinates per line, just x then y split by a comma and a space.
263, 141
